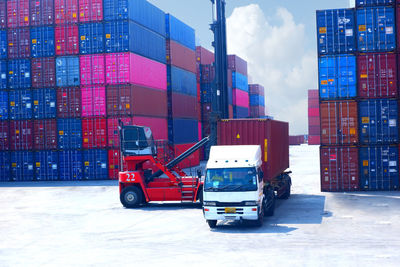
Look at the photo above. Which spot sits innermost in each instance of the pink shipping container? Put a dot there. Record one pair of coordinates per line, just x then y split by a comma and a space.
237, 64
17, 13
180, 56
204, 56
19, 43
21, 135
313, 94
113, 132
158, 126
92, 69
43, 72
313, 120
45, 134
314, 130
67, 40
66, 11
313, 112
94, 132
4, 135
68, 102
90, 10
314, 140
42, 12
3, 14
240, 98
93, 101
313, 103
123, 68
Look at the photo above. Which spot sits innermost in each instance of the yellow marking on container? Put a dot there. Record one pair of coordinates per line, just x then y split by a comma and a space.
365, 119
12, 103
238, 136
10, 72
61, 132
322, 30
111, 167
266, 150
58, 47
34, 41
16, 131
331, 80
324, 82
127, 106
352, 131
10, 44
26, 19
86, 163
86, 140
362, 28
108, 36
74, 15
365, 163
82, 14
14, 164
38, 164
36, 102
83, 38
364, 76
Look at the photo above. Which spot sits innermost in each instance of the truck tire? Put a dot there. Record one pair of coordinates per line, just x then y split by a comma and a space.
131, 197
260, 221
270, 211
286, 195
212, 223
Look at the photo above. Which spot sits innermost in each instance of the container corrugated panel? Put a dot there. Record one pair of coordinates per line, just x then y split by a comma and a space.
128, 36
376, 29
204, 56
21, 135
257, 100
67, 40
181, 56
3, 44
67, 71
3, 14
337, 77
257, 112
256, 89
42, 42
113, 132
364, 3
379, 168
66, 11
313, 94
378, 121
17, 13
336, 31
339, 122
20, 104
183, 106
120, 100
159, 126
140, 11
114, 164
42, 12
237, 64
240, 98
192, 161
69, 133
4, 135
22, 168
69, 102
3, 105
314, 140
180, 32
19, 43
313, 112
19, 73
339, 169
240, 81
93, 101
141, 96
207, 73
92, 69
182, 81
3, 74
183, 131
90, 10
45, 134
240, 112
95, 164
46, 165
91, 38
70, 165
94, 133
44, 104
5, 165
43, 72
313, 120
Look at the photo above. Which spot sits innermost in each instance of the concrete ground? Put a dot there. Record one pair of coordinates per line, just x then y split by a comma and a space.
61, 224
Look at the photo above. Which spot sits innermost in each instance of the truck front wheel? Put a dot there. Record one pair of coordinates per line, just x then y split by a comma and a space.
212, 223
260, 220
270, 205
131, 197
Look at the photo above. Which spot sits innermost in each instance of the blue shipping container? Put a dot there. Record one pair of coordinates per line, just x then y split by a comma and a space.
207, 93
19, 73
22, 166
46, 165
180, 32
70, 165
336, 31
128, 36
67, 71
3, 74
379, 168
5, 165
44, 104
378, 121
240, 112
257, 100
337, 77
69, 133
376, 29
91, 38
95, 164
181, 81
140, 11
3, 44
3, 105
364, 3
239, 81
20, 104
42, 41
183, 131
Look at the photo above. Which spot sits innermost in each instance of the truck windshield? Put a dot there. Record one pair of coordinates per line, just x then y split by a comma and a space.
230, 180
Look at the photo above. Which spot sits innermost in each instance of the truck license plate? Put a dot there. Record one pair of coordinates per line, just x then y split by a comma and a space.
230, 210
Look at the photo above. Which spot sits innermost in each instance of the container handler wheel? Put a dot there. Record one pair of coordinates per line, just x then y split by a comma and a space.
131, 197
212, 223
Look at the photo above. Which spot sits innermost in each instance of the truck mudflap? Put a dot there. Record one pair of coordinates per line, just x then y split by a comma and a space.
231, 213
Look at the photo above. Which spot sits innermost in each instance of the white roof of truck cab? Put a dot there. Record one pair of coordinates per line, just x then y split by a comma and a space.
234, 157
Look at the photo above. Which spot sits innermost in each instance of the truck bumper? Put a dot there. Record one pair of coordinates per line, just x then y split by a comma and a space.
234, 214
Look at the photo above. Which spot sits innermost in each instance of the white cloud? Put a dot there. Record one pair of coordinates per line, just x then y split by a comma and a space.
278, 59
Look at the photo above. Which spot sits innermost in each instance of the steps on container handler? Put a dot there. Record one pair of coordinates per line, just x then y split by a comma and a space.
189, 186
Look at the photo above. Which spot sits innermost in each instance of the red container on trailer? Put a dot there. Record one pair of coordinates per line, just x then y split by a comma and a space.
42, 12
66, 11
45, 134
17, 13
4, 135
377, 75
90, 10
93, 101
3, 14
204, 56
339, 122
113, 132
237, 64
67, 40
92, 69
68, 102
43, 72
159, 126
339, 169
192, 161
19, 43
184, 106
272, 136
94, 132
180, 56
21, 135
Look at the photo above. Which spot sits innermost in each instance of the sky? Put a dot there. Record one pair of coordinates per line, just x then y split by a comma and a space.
278, 40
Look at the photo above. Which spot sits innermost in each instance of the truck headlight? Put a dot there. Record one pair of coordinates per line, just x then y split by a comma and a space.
250, 203
210, 203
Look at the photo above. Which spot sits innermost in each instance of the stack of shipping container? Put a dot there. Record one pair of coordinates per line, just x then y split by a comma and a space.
238, 81
314, 128
358, 89
257, 101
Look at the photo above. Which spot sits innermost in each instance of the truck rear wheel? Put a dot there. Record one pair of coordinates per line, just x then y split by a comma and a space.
271, 209
286, 195
212, 223
131, 197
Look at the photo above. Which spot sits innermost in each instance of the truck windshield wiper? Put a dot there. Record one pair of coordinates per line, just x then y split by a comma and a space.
210, 188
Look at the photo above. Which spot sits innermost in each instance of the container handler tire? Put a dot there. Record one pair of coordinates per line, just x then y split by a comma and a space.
270, 211
131, 197
212, 223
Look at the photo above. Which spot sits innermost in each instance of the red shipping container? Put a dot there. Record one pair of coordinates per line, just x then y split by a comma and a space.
159, 126
19, 43
314, 140
272, 136
180, 56
113, 132
184, 106
67, 40
198, 93
377, 75
257, 112
296, 140
93, 101
92, 69
21, 135
43, 72
66, 11
339, 169
192, 161
4, 135
114, 163
204, 56
313, 121
313, 103
17, 13
3, 14
69, 102
230, 111
237, 64
94, 132
45, 134
42, 12
256, 89
339, 124
313, 112
314, 130
90, 10
313, 94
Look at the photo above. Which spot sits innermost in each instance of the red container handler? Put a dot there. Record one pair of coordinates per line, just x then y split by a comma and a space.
45, 134
17, 13
192, 161
377, 75
94, 132
272, 136
4, 135
66, 11
339, 169
67, 40
43, 72
68, 102
113, 132
19, 43
42, 12
180, 56
3, 14
90, 10
21, 135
